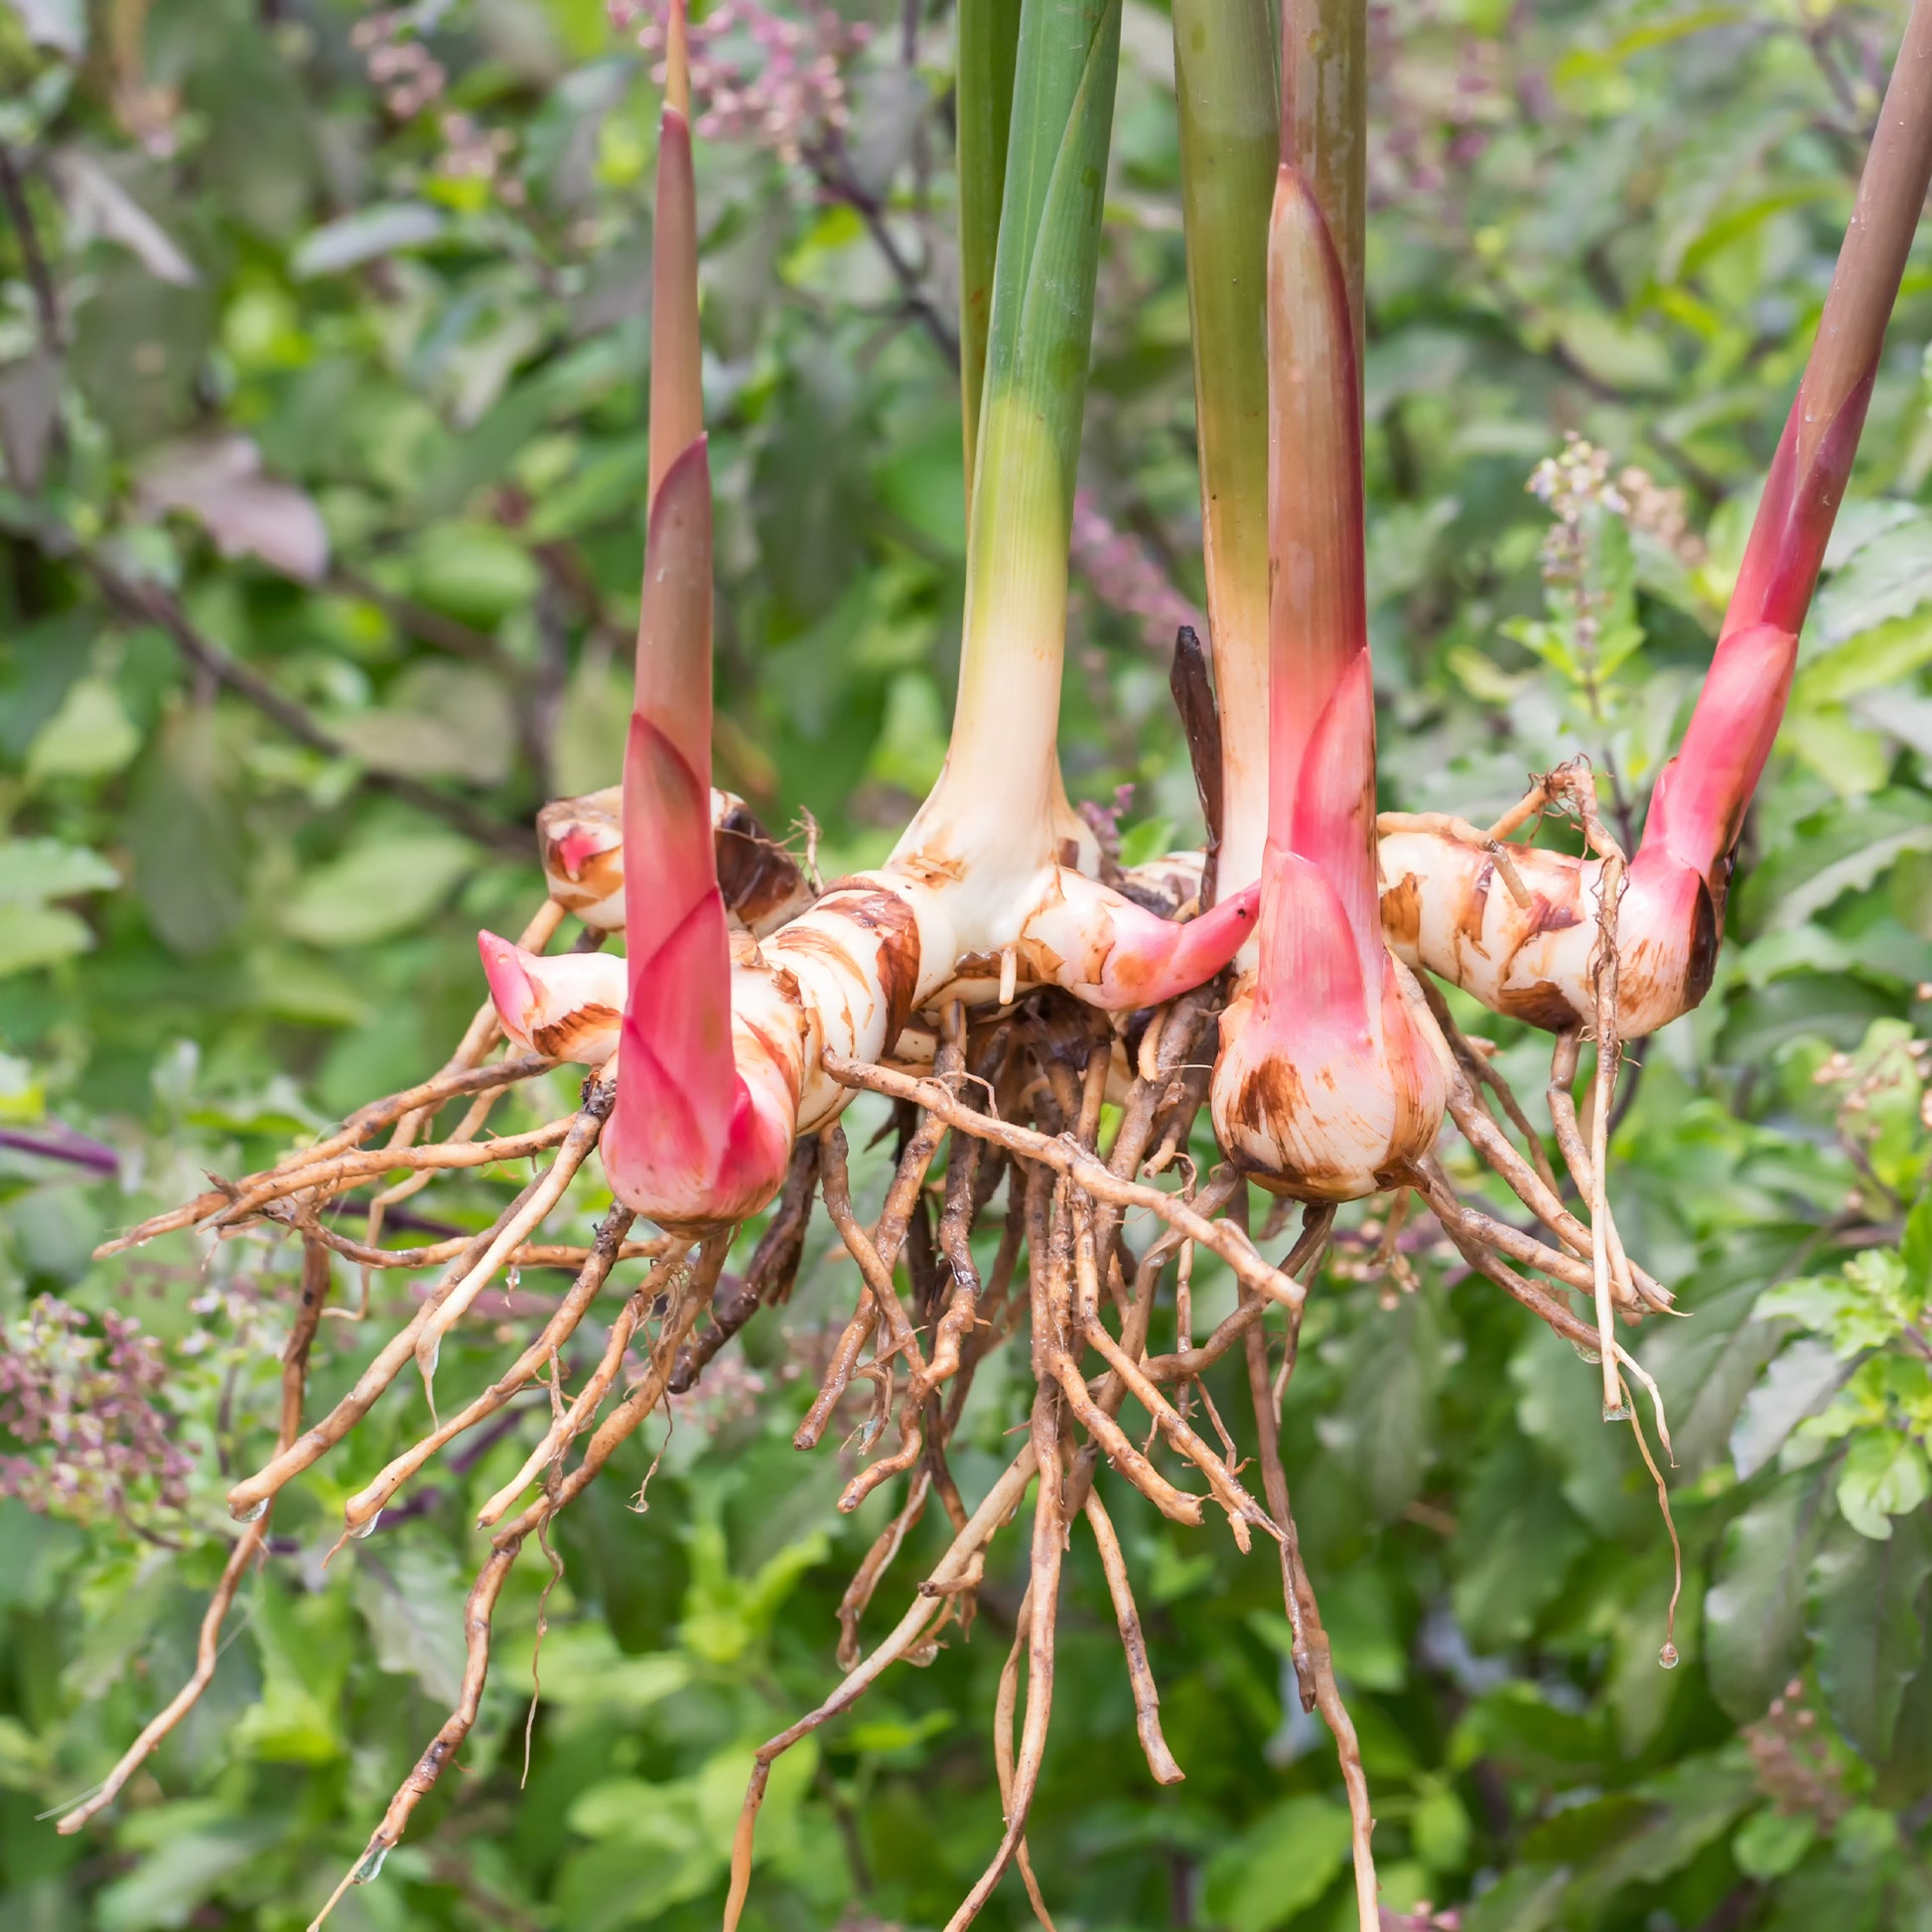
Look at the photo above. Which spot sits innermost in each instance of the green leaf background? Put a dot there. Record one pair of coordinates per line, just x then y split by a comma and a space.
223, 920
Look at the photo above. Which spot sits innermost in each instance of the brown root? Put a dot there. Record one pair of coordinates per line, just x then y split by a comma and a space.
638, 1402
1146, 1697
1313, 1665
369, 1502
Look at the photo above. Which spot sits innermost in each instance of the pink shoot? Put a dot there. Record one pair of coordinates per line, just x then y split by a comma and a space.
686, 1139
1533, 958
1699, 805
1327, 1088
719, 1067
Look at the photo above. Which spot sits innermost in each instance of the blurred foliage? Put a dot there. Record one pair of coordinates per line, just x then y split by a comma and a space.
321, 375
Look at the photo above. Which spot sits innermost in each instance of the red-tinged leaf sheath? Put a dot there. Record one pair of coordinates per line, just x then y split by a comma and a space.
1702, 795
1324, 126
676, 366
1443, 909
1317, 599
685, 1141
1326, 1089
677, 62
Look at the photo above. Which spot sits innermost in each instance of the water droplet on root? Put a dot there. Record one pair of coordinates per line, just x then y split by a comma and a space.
251, 1515
371, 1866
362, 1530
1587, 1355
1616, 1412
1668, 1656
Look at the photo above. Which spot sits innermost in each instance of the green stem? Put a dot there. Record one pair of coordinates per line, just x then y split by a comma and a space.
1224, 70
989, 46
1001, 775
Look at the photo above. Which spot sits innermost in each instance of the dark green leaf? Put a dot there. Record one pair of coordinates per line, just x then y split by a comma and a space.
1866, 1612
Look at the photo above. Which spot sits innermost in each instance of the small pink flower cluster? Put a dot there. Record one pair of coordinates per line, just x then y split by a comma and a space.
411, 80
1578, 477
1434, 116
757, 76
88, 1400
728, 1394
408, 73
1123, 575
1793, 1759
475, 152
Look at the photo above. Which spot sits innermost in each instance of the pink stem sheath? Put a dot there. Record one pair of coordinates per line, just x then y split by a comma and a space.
688, 1138
1325, 1089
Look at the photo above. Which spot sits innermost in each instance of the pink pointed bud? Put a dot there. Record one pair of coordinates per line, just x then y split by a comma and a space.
1119, 956
580, 842
1154, 960
567, 1006
1444, 907
690, 1139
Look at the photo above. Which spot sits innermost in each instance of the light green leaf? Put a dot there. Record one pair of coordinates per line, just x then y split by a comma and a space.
1282, 1863
90, 737
384, 884
1626, 356
1883, 1476
1440, 1828
411, 1595
1889, 578
587, 750
34, 869
439, 721
1868, 1306
363, 236
474, 571
582, 1664
911, 743
1795, 1386
1770, 1843
181, 1872
1887, 653
611, 482
1854, 759
39, 935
